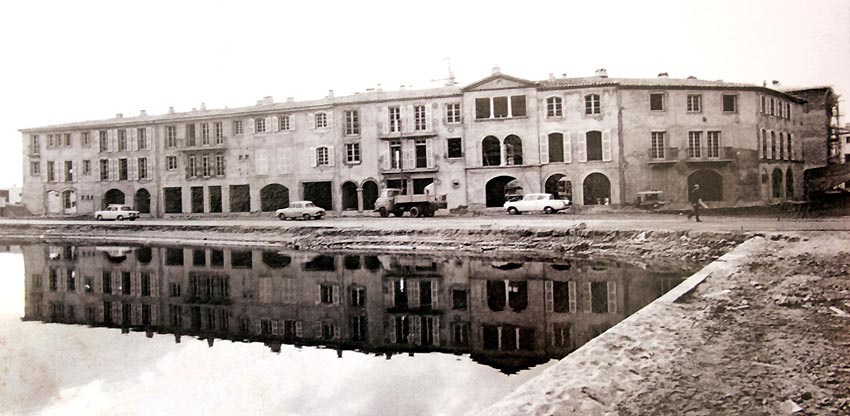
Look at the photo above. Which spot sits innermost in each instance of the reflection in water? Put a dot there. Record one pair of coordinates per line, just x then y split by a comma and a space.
508, 315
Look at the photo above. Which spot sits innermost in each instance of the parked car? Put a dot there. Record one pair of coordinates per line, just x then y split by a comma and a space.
537, 202
300, 209
116, 212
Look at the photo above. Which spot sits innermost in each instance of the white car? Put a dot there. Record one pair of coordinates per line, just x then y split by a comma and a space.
537, 202
300, 209
117, 212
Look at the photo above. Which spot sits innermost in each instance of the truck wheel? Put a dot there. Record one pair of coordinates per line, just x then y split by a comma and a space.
398, 213
281, 217
414, 212
548, 210
383, 212
513, 211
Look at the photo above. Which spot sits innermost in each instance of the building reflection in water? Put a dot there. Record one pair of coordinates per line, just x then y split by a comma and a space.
508, 315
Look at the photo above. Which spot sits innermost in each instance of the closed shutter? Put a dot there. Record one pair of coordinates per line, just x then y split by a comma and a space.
393, 329
148, 138
154, 285
415, 329
329, 116
113, 169
136, 288
275, 327
274, 124
336, 290
111, 140
257, 327
435, 294
428, 115
413, 294
74, 173
436, 331
384, 155
391, 293
337, 332
137, 314
573, 294
154, 314
269, 126
606, 146
407, 118
133, 169
612, 297
248, 125
312, 157
311, 121
407, 151
581, 147
318, 289
134, 139
588, 301
429, 153
544, 149
568, 148
331, 156
548, 296
96, 169
384, 120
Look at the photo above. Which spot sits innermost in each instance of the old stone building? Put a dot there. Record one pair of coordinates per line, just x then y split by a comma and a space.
595, 140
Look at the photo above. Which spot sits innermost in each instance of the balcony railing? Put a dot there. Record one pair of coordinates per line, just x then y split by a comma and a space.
663, 154
709, 154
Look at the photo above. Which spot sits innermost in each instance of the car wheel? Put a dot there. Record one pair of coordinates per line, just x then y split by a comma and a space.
120, 218
513, 211
306, 216
548, 210
99, 218
414, 212
281, 217
383, 212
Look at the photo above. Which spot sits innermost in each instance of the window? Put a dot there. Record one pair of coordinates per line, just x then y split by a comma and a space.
219, 165
395, 154
352, 152
657, 101
205, 165
322, 156
327, 294
358, 328
773, 145
69, 171
763, 106
51, 175
594, 146
763, 144
394, 119
237, 126
358, 296
35, 147
592, 104
772, 104
482, 108
791, 146
321, 120
171, 162
419, 120
143, 168
554, 107
142, 138
35, 168
259, 125
104, 169
283, 123
656, 150
730, 103
122, 169
103, 140
453, 113
518, 106
205, 134
459, 300
122, 140
352, 123
513, 150
694, 138
193, 166
556, 147
421, 150
455, 145
170, 136
67, 139
190, 135
694, 103
218, 132
713, 144
500, 107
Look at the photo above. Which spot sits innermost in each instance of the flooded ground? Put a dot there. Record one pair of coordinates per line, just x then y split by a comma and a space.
144, 329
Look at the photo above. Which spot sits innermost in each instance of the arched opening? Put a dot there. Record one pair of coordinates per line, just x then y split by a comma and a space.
54, 202
113, 196
495, 190
710, 184
513, 150
69, 202
594, 145
274, 196
142, 201
491, 151
370, 194
789, 184
777, 183
349, 196
597, 189
559, 186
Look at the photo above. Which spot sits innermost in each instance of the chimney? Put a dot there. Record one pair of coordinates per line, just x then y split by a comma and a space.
551, 76
776, 82
663, 75
267, 100
692, 77
401, 87
119, 115
290, 99
330, 94
380, 89
170, 110
203, 106
602, 73
496, 70
143, 113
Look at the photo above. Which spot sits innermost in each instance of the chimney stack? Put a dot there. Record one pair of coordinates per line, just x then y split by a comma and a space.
143, 113
203, 106
170, 110
551, 76
330, 94
692, 77
496, 70
663, 75
602, 73
776, 82
119, 115
380, 89
290, 99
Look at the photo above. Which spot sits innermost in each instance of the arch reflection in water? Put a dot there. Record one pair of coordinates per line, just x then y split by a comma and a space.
510, 315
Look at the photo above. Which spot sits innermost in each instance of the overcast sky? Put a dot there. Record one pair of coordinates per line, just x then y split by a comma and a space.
72, 61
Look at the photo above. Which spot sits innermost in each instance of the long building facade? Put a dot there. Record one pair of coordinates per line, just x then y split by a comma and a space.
595, 140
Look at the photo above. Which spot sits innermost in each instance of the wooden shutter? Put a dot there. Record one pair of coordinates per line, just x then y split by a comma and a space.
336, 290
136, 288
113, 169
318, 289
154, 288
269, 124
548, 296
544, 149
385, 125
393, 329
581, 147
407, 152
407, 118
331, 156
337, 332
588, 301
329, 117
568, 148
311, 121
606, 146
413, 294
429, 152
112, 140
391, 293
275, 123
75, 175
428, 116
134, 139
154, 314
573, 294
384, 154
248, 126
312, 156
415, 328
148, 134
276, 327
435, 293
612, 297
133, 169
436, 330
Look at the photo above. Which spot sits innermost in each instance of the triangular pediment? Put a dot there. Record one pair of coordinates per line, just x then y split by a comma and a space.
499, 82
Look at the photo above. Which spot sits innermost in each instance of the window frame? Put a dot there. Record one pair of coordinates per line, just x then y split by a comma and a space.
453, 113
322, 156
420, 122
554, 107
260, 125
693, 103
449, 147
592, 104
352, 153
352, 122
238, 128
320, 120
663, 96
734, 98
168, 163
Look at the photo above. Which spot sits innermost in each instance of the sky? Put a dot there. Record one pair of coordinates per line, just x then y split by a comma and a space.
88, 60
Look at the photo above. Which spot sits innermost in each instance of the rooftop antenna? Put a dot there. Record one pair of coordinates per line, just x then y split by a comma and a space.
450, 80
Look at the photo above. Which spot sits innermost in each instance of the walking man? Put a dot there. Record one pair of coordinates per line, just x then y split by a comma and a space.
695, 198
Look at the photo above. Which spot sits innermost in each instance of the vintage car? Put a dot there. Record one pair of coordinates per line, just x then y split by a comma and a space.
537, 202
300, 209
650, 199
117, 212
